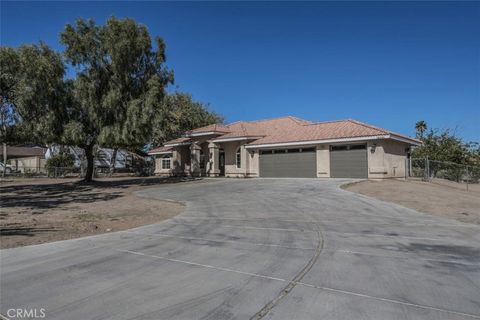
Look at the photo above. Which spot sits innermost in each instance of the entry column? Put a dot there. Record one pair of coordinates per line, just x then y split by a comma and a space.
214, 160
195, 170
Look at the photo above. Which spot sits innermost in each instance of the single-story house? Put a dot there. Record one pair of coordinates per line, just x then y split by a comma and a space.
286, 147
26, 159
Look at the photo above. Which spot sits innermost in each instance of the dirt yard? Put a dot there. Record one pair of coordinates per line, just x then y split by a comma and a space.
434, 198
38, 211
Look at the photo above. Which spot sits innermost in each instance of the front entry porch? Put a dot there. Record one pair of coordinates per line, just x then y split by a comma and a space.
204, 158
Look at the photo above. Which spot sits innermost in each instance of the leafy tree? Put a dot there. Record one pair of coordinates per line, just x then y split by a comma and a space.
33, 93
9, 77
474, 150
116, 97
181, 113
420, 128
442, 146
119, 86
448, 154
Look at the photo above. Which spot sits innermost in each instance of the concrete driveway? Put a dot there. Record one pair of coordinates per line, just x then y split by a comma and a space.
257, 248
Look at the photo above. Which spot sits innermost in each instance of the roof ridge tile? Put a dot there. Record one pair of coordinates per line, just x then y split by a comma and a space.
328, 121
270, 119
369, 126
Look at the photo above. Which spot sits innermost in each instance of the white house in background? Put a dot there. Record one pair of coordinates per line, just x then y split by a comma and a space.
103, 156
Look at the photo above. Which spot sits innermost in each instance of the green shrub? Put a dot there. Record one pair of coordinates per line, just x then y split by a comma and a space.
474, 173
455, 174
62, 160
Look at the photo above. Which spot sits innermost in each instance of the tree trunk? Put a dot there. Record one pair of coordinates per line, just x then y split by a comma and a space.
90, 163
4, 159
113, 161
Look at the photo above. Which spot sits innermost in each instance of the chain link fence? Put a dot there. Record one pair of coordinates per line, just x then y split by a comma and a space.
438, 171
74, 172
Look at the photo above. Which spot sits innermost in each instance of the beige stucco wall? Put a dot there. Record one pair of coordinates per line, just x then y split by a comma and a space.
33, 164
181, 160
158, 165
253, 168
386, 159
230, 149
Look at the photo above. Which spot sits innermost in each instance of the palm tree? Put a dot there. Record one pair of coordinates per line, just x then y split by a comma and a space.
420, 127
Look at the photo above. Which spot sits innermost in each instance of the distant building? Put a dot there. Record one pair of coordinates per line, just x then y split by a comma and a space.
103, 157
26, 159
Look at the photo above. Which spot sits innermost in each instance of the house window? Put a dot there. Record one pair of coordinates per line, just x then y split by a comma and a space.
339, 148
238, 158
166, 163
348, 147
358, 147
293, 150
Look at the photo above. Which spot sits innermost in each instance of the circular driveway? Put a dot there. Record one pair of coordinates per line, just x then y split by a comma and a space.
257, 249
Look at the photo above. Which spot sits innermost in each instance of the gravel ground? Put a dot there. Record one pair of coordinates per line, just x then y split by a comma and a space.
443, 199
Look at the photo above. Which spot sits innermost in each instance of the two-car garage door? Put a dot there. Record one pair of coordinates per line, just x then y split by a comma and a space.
346, 161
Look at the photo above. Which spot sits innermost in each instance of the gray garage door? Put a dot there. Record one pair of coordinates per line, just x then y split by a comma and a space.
348, 161
293, 164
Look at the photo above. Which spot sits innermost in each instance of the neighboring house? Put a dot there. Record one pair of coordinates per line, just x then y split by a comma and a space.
26, 159
286, 147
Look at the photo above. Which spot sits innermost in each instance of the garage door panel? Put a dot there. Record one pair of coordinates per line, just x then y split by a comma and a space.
296, 165
348, 163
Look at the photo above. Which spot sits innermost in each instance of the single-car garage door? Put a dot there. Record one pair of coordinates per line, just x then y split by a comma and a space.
348, 161
291, 163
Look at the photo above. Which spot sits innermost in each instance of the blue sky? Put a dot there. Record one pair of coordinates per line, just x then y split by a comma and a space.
384, 63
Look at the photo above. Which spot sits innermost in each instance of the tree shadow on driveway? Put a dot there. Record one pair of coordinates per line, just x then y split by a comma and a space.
24, 231
51, 195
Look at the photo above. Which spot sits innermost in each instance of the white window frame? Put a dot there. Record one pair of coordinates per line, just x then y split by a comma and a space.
169, 159
238, 158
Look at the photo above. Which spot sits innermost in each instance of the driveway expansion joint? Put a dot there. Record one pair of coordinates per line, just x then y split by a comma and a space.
296, 280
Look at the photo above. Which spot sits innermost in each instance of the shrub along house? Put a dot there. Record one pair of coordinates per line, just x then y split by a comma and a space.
286, 147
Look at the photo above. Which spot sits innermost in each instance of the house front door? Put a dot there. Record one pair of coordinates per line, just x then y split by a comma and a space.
221, 162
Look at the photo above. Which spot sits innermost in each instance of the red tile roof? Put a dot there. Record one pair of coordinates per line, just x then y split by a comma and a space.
320, 131
178, 140
160, 150
218, 128
291, 129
